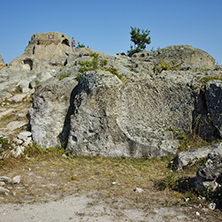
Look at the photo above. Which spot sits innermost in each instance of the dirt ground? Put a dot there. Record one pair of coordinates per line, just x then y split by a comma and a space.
89, 207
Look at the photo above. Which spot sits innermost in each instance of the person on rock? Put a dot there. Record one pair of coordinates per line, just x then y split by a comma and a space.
73, 44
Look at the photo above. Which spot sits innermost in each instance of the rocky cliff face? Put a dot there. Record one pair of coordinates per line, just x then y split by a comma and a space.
2, 63
135, 107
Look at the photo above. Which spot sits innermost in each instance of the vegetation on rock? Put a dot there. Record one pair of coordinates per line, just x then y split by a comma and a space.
88, 66
158, 68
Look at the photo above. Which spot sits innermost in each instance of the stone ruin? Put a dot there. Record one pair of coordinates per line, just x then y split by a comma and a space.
49, 50
46, 39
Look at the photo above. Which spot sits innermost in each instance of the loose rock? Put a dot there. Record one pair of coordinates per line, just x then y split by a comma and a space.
15, 180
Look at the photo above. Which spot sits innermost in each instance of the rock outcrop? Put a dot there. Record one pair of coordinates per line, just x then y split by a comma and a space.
213, 97
190, 157
2, 63
190, 57
209, 176
50, 106
123, 107
135, 116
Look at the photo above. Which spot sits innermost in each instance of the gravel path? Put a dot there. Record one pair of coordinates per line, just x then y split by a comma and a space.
88, 208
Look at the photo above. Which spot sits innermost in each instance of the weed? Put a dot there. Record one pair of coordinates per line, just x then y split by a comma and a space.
64, 75
4, 143
206, 79
178, 134
158, 68
78, 77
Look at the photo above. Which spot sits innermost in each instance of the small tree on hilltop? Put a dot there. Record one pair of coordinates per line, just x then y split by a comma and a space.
139, 39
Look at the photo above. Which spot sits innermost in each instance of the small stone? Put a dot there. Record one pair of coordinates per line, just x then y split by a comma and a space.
15, 180
24, 135
2, 183
4, 190
197, 213
212, 206
17, 98
20, 116
17, 151
138, 190
15, 124
3, 178
17, 141
27, 141
186, 199
64, 156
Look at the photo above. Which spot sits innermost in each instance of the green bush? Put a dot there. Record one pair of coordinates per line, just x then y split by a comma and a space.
87, 66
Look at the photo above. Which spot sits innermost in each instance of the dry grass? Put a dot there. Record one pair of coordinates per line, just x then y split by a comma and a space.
46, 176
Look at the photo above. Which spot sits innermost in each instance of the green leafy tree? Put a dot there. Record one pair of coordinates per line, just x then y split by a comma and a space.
140, 39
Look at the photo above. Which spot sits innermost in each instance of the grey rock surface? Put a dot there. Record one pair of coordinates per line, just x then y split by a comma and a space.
208, 174
114, 120
49, 109
190, 157
131, 116
105, 115
2, 63
214, 103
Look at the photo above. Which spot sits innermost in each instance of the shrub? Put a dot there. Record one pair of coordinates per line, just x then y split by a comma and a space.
103, 62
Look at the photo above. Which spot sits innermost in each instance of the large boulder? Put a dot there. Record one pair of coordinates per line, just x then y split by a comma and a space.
2, 63
187, 55
50, 106
114, 119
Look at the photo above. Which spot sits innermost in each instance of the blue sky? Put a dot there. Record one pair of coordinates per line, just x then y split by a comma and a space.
104, 25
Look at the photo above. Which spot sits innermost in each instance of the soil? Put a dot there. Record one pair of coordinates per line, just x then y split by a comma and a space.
90, 207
